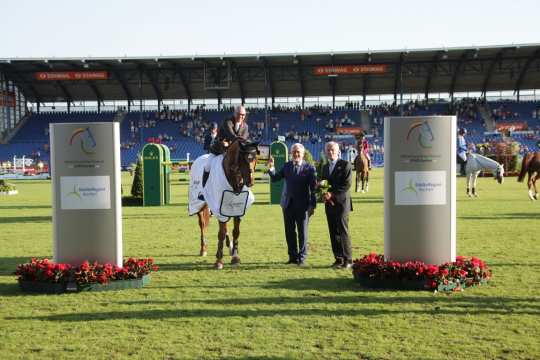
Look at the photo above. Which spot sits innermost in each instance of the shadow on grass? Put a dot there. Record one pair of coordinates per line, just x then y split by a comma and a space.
443, 306
12, 289
208, 264
22, 207
25, 219
369, 297
362, 200
8, 265
511, 216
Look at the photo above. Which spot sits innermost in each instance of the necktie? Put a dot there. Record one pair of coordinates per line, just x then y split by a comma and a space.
296, 168
332, 165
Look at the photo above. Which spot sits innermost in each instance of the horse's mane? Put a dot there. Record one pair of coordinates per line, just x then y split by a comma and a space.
231, 157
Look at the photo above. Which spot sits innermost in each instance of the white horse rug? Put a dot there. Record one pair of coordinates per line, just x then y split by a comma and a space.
218, 194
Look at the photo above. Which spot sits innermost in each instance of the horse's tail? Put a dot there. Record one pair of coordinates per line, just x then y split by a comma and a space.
524, 167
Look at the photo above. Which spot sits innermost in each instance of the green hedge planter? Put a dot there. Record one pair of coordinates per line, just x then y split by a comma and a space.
59, 288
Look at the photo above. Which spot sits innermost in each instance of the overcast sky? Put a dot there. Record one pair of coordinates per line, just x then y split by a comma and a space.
102, 28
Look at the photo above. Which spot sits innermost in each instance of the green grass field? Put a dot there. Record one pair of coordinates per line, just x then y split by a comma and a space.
267, 310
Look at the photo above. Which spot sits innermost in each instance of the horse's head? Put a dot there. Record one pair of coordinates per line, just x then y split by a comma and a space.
239, 166
499, 174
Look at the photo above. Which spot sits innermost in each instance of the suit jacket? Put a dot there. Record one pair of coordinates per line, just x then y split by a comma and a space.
299, 189
209, 141
340, 181
227, 132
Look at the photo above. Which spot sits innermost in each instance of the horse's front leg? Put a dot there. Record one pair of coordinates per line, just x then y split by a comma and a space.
235, 260
468, 180
357, 187
221, 239
204, 219
474, 178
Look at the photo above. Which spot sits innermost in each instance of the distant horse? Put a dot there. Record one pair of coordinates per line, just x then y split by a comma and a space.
531, 167
362, 172
477, 163
238, 167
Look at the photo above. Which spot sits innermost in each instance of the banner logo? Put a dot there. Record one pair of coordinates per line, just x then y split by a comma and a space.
87, 140
425, 135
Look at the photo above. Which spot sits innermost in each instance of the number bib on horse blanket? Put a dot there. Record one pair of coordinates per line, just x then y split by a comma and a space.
218, 194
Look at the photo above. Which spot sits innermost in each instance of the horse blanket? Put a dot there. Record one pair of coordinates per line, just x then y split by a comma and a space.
218, 193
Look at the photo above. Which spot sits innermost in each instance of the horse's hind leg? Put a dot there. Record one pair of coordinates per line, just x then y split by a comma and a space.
534, 178
367, 181
221, 239
530, 186
235, 260
356, 189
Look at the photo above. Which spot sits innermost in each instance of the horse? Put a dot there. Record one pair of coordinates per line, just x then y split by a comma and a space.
238, 164
362, 172
477, 163
531, 166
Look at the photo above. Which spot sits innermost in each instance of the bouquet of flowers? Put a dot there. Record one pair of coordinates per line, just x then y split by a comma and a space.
322, 192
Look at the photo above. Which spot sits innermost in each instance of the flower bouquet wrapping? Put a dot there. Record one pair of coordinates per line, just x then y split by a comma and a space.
323, 195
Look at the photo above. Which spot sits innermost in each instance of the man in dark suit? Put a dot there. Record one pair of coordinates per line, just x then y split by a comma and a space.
338, 204
298, 201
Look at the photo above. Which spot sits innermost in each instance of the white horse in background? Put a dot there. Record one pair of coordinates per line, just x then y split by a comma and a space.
477, 163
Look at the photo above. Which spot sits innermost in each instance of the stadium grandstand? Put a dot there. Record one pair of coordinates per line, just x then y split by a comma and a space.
304, 97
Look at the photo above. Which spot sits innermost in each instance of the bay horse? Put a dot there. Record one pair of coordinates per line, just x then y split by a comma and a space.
477, 163
530, 166
238, 165
362, 172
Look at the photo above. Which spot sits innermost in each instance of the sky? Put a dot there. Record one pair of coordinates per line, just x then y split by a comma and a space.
117, 28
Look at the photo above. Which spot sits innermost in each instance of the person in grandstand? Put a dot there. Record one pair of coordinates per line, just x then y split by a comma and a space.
233, 128
462, 150
210, 137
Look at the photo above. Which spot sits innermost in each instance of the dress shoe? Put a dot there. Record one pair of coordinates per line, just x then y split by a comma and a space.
302, 263
338, 264
291, 261
347, 265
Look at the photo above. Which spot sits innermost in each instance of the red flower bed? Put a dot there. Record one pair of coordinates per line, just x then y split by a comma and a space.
464, 272
86, 273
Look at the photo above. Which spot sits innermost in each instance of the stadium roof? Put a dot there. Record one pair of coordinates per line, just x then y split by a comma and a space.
444, 70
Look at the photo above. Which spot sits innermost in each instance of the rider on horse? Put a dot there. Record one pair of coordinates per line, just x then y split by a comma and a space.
363, 147
232, 129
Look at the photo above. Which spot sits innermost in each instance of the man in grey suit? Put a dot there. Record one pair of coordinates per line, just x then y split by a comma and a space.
298, 201
338, 204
